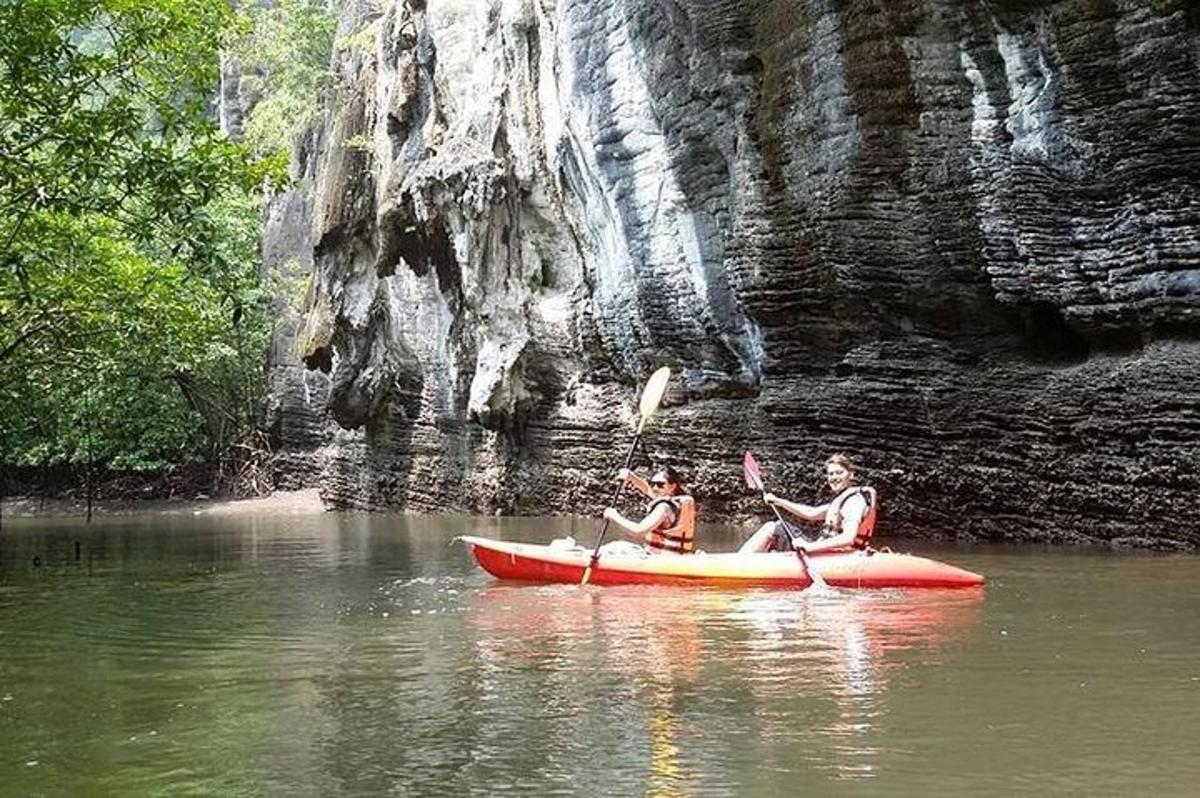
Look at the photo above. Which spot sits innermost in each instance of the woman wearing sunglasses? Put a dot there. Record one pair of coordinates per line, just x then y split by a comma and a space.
670, 521
849, 517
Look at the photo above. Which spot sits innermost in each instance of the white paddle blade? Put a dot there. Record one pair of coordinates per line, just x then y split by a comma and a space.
652, 394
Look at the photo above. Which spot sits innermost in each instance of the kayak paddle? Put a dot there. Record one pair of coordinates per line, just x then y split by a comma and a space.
754, 480
652, 395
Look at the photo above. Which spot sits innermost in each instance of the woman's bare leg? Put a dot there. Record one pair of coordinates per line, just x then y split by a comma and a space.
760, 540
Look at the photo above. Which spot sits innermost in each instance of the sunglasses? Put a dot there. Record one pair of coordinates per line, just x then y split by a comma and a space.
658, 483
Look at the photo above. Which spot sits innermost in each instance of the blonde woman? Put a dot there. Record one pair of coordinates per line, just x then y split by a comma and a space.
849, 518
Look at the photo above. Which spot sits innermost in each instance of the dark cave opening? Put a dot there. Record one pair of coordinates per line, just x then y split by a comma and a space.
321, 359
423, 247
1047, 335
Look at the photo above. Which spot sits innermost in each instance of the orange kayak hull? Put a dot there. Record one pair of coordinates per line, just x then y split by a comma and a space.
527, 562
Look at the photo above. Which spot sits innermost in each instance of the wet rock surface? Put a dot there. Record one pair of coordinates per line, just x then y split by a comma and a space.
959, 240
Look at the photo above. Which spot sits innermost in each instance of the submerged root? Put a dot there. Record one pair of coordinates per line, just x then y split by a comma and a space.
246, 470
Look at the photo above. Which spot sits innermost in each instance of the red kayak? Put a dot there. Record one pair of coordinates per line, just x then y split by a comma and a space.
855, 569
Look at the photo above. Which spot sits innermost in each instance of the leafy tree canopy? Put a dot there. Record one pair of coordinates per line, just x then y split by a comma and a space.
128, 224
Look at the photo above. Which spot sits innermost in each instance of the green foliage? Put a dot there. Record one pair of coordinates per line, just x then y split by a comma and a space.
291, 283
131, 329
290, 45
361, 42
362, 142
104, 338
104, 110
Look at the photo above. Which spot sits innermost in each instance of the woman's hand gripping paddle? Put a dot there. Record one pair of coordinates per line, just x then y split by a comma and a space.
754, 480
652, 396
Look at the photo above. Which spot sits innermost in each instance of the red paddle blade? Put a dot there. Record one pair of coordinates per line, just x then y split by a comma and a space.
752, 472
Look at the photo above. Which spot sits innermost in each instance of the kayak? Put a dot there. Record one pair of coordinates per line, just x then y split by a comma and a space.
528, 562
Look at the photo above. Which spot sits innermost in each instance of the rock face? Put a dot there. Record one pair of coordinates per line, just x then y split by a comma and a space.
958, 239
296, 417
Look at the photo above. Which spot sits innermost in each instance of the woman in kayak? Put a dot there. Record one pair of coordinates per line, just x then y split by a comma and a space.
849, 518
670, 521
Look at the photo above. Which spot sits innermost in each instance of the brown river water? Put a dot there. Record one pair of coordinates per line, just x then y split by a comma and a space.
330, 654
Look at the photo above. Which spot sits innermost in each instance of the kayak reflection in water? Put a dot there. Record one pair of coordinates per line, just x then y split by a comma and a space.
670, 521
854, 647
654, 651
849, 518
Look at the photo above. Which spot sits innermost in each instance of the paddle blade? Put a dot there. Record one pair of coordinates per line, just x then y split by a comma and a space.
818, 582
652, 395
752, 473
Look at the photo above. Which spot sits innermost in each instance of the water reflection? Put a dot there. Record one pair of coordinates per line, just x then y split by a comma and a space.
650, 640
843, 646
807, 673
636, 644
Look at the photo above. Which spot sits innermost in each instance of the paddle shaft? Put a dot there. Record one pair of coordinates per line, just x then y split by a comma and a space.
801, 553
616, 497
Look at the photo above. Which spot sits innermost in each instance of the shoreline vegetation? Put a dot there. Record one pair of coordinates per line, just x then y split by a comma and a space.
135, 315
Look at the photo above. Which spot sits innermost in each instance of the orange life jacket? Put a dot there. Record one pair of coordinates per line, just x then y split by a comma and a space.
678, 529
866, 526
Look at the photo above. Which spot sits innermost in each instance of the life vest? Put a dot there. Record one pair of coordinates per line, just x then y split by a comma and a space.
678, 529
866, 526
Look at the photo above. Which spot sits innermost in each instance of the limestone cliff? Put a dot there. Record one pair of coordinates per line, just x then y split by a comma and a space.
959, 239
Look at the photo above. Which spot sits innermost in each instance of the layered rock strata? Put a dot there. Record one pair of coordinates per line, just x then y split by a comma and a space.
958, 239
